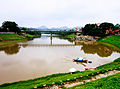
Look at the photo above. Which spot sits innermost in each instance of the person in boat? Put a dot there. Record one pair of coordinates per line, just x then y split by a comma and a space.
79, 59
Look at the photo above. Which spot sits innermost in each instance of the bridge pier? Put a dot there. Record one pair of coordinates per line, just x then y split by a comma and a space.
77, 35
51, 38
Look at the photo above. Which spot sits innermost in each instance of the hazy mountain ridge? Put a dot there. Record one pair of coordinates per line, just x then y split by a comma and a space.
57, 28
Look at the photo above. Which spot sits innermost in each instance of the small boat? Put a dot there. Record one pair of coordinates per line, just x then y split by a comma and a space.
79, 59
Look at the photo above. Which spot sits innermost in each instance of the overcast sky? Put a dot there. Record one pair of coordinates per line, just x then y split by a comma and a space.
57, 13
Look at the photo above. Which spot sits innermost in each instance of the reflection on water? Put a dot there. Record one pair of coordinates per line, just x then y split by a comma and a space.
97, 48
11, 50
81, 63
88, 48
40, 57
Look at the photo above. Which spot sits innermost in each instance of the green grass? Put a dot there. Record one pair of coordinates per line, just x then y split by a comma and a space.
71, 35
110, 82
56, 78
8, 37
114, 40
11, 39
117, 60
30, 36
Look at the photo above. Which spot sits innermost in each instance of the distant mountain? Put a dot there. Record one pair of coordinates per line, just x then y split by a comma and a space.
58, 28
64, 28
61, 28
42, 28
77, 27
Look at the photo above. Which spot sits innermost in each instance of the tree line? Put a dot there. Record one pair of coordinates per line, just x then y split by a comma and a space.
101, 30
9, 26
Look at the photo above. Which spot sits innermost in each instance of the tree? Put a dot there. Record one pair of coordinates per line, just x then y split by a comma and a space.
102, 30
0, 29
8, 26
106, 27
90, 29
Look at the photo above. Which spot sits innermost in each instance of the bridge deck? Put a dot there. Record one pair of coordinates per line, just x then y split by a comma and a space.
51, 31
45, 45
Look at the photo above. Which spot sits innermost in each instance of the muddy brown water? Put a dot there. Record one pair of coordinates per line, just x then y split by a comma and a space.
44, 56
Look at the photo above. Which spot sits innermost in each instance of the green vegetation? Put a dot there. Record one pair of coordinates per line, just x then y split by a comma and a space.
8, 26
29, 31
66, 34
115, 40
71, 35
30, 36
104, 29
110, 82
11, 39
61, 78
117, 60
6, 37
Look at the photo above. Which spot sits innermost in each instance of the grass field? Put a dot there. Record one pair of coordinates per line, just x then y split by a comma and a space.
11, 39
114, 40
8, 37
71, 35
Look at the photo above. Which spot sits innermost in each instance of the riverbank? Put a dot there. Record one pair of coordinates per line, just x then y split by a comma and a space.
61, 78
11, 39
110, 82
112, 40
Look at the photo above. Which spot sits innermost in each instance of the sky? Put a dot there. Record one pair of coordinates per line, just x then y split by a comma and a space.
58, 13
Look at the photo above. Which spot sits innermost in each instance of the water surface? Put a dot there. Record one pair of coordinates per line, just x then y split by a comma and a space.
45, 55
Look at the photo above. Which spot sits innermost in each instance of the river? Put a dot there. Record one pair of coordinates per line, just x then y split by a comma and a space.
44, 56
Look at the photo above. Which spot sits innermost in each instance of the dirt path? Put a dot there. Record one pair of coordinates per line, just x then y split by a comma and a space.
78, 82
92, 78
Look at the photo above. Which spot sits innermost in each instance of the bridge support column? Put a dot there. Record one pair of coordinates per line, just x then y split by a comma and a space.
75, 35
51, 38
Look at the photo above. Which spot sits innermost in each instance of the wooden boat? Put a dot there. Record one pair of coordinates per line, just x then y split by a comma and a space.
79, 59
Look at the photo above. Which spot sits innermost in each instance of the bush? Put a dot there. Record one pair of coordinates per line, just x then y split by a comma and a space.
117, 60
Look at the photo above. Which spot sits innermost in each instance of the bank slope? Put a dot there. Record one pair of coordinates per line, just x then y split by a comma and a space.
9, 37
110, 82
114, 40
64, 77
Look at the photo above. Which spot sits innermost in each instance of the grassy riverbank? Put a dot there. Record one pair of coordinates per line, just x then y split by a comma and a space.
114, 40
61, 78
110, 82
71, 36
11, 39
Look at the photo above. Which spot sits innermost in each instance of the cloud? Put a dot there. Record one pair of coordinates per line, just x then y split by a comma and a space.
33, 13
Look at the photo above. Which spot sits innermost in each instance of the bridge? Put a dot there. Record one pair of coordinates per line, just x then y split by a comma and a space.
47, 45
76, 43
75, 32
51, 32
